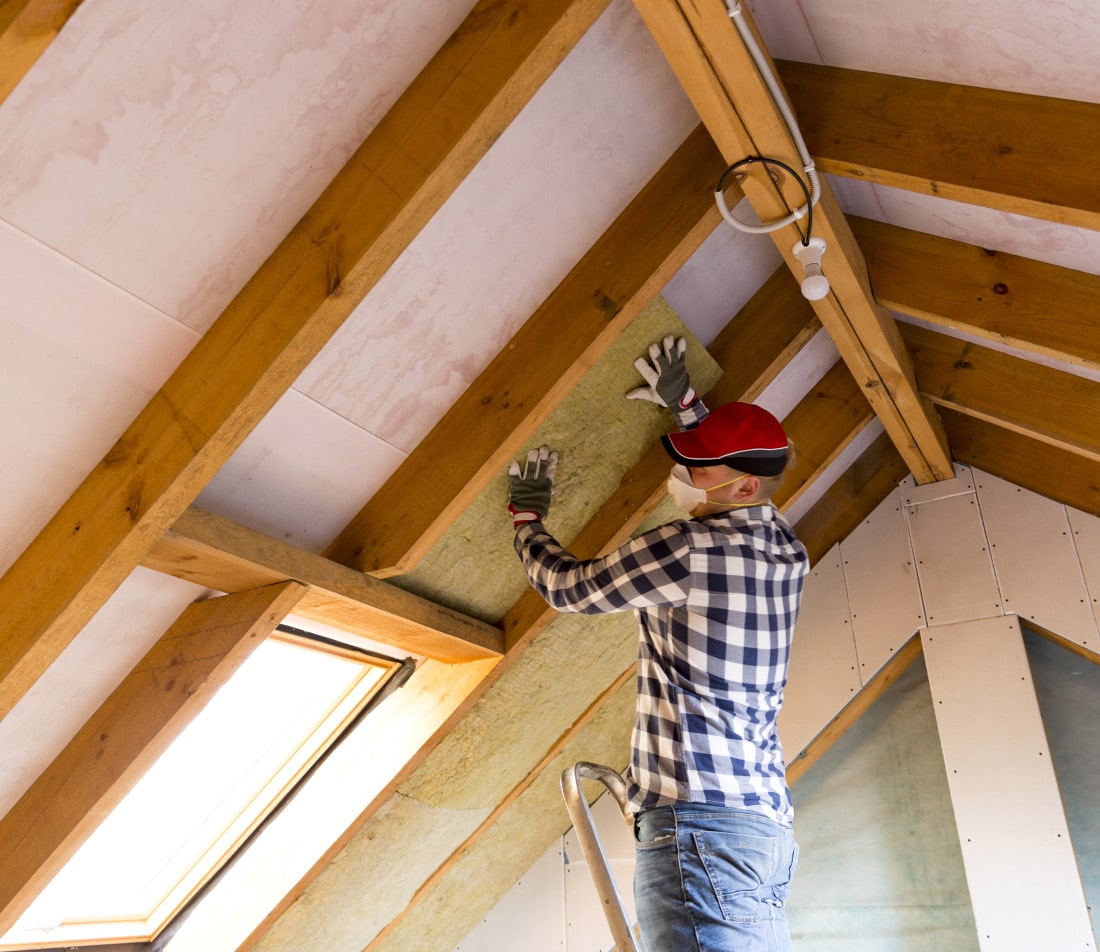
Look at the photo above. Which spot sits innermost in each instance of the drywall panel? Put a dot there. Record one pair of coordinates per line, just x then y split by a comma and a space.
1036, 562
883, 593
914, 495
1086, 539
529, 916
823, 674
1005, 795
952, 557
880, 868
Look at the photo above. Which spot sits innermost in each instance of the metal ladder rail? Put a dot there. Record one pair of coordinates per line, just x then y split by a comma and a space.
577, 806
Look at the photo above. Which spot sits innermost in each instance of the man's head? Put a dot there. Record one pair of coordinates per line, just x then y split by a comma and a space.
737, 455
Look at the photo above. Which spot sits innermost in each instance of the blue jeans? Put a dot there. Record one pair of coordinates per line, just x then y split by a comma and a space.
710, 878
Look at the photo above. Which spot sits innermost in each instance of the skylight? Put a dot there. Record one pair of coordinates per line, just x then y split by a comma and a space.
208, 791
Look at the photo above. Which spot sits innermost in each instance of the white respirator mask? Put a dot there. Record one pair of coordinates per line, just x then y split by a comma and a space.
686, 495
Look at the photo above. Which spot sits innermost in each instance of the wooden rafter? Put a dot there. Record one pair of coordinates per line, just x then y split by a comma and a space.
255, 350
546, 358
112, 751
27, 28
1050, 405
211, 550
1032, 155
823, 424
1058, 474
1040, 308
730, 95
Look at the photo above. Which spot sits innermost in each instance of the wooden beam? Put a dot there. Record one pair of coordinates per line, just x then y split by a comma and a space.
854, 495
822, 425
854, 709
715, 68
406, 168
27, 28
113, 750
208, 549
1040, 402
553, 350
1031, 155
1058, 474
1041, 308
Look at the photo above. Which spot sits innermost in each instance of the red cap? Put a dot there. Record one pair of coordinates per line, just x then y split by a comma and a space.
742, 436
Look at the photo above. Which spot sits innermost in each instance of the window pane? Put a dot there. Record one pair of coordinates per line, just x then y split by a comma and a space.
198, 801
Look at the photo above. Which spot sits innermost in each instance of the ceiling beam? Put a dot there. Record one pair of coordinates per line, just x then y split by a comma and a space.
167, 689
1058, 474
493, 420
823, 424
210, 550
715, 68
27, 28
1044, 309
1050, 405
1031, 155
419, 152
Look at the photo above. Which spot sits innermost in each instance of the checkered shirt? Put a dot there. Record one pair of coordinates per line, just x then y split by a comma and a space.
716, 600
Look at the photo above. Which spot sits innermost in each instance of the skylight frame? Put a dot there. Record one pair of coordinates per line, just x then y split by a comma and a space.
375, 671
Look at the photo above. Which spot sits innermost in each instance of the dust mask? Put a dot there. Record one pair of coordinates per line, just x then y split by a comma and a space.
686, 495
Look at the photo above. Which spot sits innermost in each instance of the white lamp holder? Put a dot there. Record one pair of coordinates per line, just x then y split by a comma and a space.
814, 284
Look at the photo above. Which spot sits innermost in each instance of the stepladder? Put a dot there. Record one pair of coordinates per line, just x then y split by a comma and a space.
585, 830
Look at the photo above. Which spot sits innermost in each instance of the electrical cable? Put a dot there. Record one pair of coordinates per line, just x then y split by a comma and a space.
733, 9
808, 207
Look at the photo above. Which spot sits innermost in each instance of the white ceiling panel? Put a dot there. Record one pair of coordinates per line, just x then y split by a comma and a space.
609, 117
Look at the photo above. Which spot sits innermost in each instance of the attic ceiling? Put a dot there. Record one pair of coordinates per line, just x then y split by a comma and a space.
288, 284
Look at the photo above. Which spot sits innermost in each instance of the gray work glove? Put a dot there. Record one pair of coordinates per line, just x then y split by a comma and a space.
529, 489
666, 375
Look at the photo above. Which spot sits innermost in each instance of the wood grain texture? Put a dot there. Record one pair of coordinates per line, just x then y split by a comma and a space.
254, 351
1031, 155
822, 425
208, 549
1040, 402
1058, 474
1037, 307
117, 745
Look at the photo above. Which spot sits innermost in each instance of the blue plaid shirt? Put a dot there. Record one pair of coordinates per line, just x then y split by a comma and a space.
716, 600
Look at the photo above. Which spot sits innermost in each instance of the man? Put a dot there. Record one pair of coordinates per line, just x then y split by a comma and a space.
716, 597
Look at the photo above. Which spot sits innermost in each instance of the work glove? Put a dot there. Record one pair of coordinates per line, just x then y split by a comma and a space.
529, 489
666, 375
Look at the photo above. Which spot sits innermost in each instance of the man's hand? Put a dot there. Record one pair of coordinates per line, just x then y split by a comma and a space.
529, 489
666, 375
